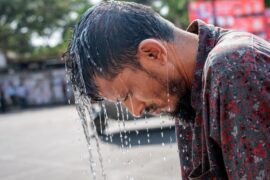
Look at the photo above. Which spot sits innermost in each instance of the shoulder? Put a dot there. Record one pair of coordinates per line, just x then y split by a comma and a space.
238, 52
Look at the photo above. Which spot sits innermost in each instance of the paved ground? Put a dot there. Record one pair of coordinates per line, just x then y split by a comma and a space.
49, 144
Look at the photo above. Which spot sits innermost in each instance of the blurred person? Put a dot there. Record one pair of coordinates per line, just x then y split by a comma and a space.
21, 94
10, 94
2, 100
214, 82
58, 90
29, 85
36, 94
46, 92
42, 92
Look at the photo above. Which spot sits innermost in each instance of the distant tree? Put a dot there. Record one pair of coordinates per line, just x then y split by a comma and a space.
267, 3
20, 19
177, 10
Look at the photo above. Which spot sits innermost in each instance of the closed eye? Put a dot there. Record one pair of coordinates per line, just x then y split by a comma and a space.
123, 99
129, 94
126, 97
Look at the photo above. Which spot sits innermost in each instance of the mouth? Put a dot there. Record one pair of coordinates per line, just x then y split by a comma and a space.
152, 109
155, 112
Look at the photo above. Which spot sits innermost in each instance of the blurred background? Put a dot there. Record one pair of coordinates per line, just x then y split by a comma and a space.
40, 136
34, 34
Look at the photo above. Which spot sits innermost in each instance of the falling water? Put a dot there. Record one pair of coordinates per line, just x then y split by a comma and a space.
81, 112
119, 126
147, 131
83, 105
89, 108
127, 141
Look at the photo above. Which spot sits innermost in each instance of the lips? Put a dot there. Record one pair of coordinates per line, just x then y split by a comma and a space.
155, 111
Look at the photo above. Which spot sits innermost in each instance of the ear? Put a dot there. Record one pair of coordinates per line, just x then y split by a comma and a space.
154, 50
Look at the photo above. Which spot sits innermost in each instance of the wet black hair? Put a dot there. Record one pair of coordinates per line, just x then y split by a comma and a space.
106, 39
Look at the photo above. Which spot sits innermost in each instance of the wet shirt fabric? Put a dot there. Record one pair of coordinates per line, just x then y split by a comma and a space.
230, 135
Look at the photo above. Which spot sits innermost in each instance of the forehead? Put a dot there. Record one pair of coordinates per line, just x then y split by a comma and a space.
113, 89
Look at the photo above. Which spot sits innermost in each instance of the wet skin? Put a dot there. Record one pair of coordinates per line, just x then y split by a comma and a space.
139, 92
164, 77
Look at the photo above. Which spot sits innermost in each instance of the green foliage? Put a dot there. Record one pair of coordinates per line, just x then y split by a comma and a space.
20, 19
267, 3
177, 10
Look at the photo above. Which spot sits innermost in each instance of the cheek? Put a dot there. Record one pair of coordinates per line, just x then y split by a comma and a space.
152, 91
159, 94
167, 104
160, 98
173, 102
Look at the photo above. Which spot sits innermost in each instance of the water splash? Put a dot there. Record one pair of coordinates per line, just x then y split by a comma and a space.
84, 106
119, 126
124, 127
89, 108
81, 111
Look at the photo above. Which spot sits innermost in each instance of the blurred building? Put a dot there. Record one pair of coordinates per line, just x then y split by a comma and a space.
30, 84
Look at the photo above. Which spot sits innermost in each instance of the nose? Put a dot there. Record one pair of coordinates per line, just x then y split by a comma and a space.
135, 106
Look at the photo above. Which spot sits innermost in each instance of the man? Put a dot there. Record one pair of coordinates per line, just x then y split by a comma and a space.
215, 82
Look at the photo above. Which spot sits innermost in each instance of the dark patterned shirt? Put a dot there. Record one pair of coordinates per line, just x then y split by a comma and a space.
230, 135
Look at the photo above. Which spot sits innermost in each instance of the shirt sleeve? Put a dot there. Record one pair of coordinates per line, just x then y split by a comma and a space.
236, 112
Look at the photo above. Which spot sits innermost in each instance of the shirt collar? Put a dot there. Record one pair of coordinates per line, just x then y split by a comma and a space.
208, 37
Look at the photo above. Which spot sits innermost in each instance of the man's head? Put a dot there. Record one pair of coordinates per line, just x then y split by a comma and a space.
120, 51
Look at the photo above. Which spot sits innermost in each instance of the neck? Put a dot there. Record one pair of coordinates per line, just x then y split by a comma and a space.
184, 53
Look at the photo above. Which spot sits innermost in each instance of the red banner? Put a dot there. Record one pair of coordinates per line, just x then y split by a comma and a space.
204, 9
246, 15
